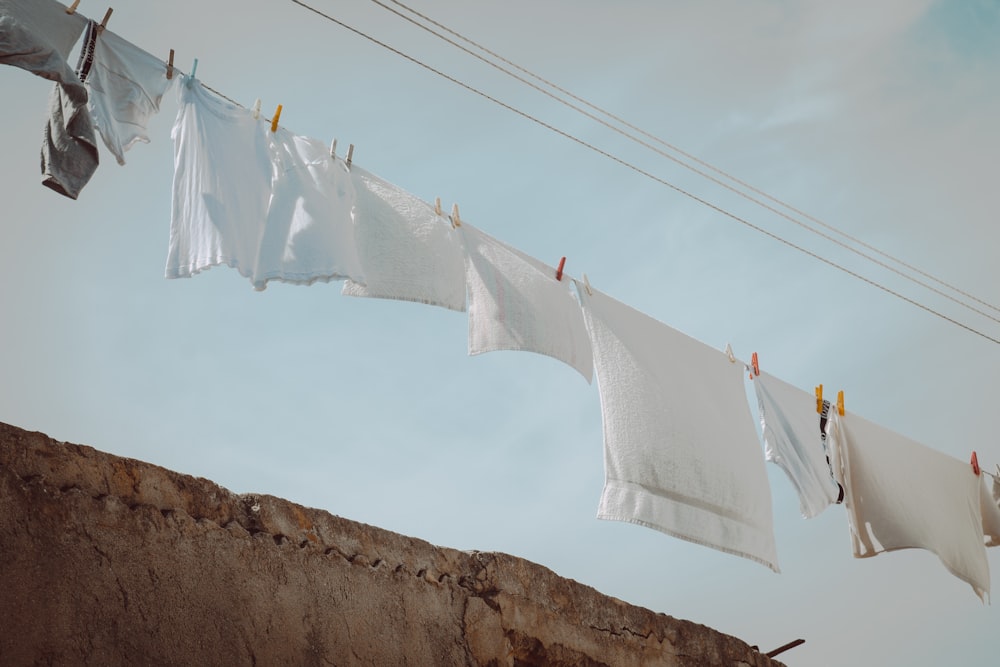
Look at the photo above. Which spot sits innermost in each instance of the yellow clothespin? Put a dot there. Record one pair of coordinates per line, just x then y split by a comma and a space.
104, 21
170, 65
274, 121
437, 207
819, 399
456, 221
72, 8
840, 402
350, 154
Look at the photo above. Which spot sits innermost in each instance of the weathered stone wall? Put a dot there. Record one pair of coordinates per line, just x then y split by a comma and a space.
111, 561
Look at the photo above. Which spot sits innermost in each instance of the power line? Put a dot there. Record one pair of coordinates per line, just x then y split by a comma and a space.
693, 158
638, 170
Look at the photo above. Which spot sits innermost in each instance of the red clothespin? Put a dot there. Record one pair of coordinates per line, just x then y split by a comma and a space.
754, 366
840, 402
562, 263
975, 463
819, 399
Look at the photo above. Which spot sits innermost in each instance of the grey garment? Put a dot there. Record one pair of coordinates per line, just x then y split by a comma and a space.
69, 150
38, 36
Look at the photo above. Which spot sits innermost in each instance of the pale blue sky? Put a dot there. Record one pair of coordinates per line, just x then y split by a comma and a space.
880, 120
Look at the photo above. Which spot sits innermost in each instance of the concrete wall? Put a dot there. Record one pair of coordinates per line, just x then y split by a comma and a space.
111, 561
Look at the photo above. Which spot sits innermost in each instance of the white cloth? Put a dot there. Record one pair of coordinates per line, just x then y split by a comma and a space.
222, 184
309, 232
407, 251
680, 451
125, 86
516, 303
900, 494
792, 440
989, 504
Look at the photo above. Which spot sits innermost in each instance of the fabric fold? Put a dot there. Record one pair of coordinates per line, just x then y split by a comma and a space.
680, 451
38, 36
900, 494
793, 441
516, 303
407, 251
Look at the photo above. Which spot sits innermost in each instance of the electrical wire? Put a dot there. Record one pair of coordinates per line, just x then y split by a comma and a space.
680, 162
642, 172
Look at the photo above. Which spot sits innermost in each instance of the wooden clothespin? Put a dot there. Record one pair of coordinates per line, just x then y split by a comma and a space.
586, 285
729, 353
72, 8
104, 21
170, 65
437, 207
274, 121
975, 463
350, 154
754, 367
819, 399
559, 271
456, 221
333, 148
840, 402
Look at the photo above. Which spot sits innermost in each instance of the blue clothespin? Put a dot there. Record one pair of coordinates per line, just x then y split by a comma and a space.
194, 70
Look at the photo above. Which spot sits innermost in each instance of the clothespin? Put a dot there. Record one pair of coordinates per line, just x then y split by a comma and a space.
840, 402
255, 111
350, 154
170, 65
819, 399
274, 121
194, 70
729, 353
559, 271
72, 8
456, 221
104, 21
333, 148
975, 463
586, 285
437, 207
754, 367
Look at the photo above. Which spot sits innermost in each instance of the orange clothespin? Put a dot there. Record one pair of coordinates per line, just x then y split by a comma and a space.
274, 121
819, 399
840, 402
754, 366
975, 463
72, 8
170, 65
562, 263
104, 21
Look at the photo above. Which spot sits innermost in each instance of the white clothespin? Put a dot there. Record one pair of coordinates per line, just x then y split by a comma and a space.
333, 148
586, 285
256, 109
350, 155
729, 353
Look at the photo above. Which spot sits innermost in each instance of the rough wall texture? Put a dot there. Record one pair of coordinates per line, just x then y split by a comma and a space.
111, 561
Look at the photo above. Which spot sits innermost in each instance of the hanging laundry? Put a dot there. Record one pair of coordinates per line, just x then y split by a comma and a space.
38, 36
989, 505
222, 184
792, 440
125, 86
69, 155
309, 233
680, 452
516, 303
408, 252
903, 495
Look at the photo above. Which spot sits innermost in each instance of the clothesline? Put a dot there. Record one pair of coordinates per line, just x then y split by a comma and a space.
318, 218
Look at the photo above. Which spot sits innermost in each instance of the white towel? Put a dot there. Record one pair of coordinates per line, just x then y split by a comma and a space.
407, 252
222, 184
680, 451
792, 440
516, 303
309, 233
900, 494
989, 504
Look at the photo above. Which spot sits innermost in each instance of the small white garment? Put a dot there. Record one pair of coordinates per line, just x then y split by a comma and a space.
222, 184
516, 303
680, 451
407, 252
989, 504
125, 85
309, 232
900, 494
792, 440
